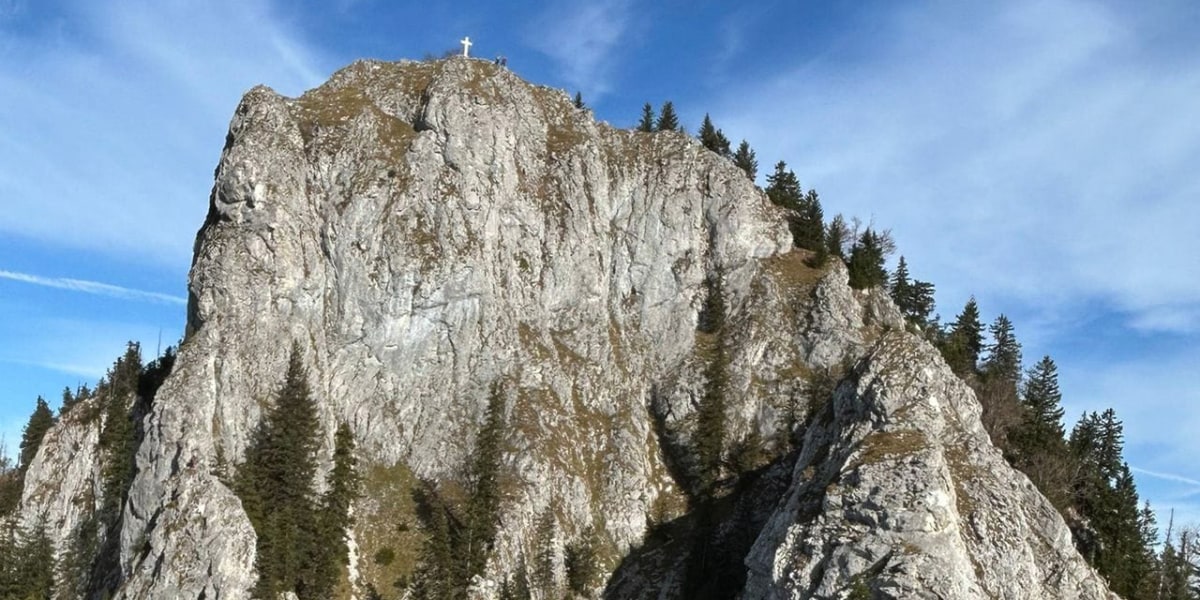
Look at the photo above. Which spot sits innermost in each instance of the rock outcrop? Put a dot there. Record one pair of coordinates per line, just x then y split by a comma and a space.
424, 231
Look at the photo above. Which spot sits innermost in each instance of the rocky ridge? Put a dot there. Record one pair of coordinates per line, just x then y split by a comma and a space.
425, 230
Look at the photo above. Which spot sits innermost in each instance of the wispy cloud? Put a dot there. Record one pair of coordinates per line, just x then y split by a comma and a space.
582, 37
92, 287
113, 116
1027, 151
1166, 476
1037, 154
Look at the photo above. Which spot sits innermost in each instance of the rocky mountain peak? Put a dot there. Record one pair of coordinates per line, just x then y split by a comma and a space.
430, 234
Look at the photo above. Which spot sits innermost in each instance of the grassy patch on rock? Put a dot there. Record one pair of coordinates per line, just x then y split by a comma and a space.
388, 529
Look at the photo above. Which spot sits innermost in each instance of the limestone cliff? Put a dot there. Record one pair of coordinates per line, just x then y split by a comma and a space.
426, 230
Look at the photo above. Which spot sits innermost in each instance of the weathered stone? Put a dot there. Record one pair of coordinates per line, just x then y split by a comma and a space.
426, 230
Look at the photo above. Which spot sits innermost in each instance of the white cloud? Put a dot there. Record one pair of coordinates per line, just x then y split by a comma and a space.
1168, 476
582, 36
92, 287
1033, 151
113, 122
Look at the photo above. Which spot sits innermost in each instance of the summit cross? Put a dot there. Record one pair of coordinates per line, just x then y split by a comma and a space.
466, 43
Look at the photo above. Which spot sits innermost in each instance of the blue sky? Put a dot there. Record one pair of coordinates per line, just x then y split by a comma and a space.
1039, 155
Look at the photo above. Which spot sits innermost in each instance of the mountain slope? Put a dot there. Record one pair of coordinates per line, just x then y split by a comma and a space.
427, 232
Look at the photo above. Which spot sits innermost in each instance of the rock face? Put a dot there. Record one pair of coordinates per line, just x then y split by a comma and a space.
424, 231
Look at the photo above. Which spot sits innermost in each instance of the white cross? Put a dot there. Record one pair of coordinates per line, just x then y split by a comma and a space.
466, 42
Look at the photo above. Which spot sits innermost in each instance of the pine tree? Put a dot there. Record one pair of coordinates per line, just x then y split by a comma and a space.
914, 298
1003, 364
1041, 451
964, 341
579, 100
330, 551
647, 122
836, 236
276, 486
808, 226
783, 189
39, 423
1043, 404
865, 267
483, 480
546, 556
8, 563
712, 138
118, 437
33, 576
745, 160
900, 288
69, 401
439, 576
667, 119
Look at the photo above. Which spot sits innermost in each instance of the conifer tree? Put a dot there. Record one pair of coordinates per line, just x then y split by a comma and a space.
712, 138
29, 568
1003, 364
865, 266
646, 124
808, 226
836, 236
578, 101
783, 189
276, 487
914, 298
330, 552
667, 119
900, 287
745, 160
964, 341
440, 576
483, 480
1041, 451
68, 401
1043, 404
546, 556
118, 443
39, 423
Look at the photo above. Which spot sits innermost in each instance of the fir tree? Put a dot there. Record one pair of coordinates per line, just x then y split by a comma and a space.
1003, 364
667, 119
439, 576
276, 487
900, 287
647, 122
1043, 404
39, 423
836, 236
783, 189
483, 479
578, 101
808, 225
712, 138
1041, 451
866, 262
30, 571
964, 341
330, 553
914, 298
546, 556
745, 160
